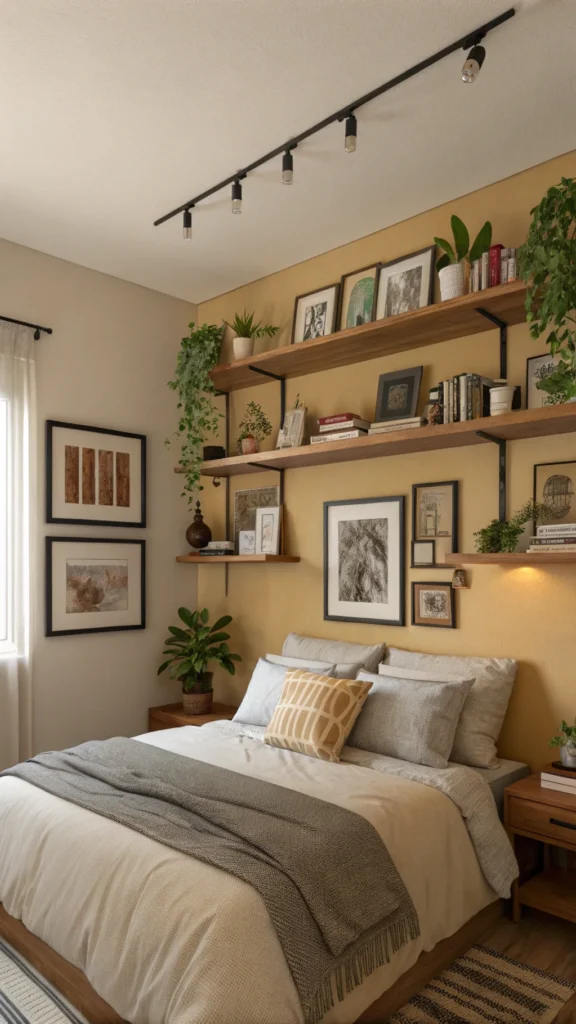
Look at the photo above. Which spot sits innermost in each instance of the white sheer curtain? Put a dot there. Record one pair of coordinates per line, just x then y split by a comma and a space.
17, 557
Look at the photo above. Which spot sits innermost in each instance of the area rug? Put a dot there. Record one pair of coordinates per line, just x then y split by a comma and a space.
26, 997
484, 987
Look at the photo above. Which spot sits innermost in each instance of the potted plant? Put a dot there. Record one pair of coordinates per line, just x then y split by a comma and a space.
566, 740
246, 332
451, 266
190, 652
253, 428
199, 417
547, 263
503, 536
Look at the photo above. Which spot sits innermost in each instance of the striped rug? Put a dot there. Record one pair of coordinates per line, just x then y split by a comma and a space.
26, 997
484, 987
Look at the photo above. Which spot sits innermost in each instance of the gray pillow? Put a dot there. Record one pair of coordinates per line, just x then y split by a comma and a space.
413, 720
338, 652
263, 693
485, 707
306, 664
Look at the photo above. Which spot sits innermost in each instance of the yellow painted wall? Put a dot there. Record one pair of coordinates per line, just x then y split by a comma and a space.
528, 614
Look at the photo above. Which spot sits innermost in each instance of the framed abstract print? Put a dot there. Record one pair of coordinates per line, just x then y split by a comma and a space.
315, 314
433, 604
406, 284
268, 530
364, 560
358, 297
94, 477
555, 485
246, 503
435, 518
398, 393
94, 585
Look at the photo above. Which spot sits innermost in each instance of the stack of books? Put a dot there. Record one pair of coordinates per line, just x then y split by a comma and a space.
496, 266
554, 537
340, 427
563, 780
388, 426
218, 547
465, 397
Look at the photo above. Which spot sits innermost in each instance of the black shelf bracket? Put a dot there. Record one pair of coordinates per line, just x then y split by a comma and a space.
501, 471
503, 328
274, 376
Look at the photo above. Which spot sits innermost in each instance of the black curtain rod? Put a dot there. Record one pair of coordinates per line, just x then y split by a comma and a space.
470, 39
24, 323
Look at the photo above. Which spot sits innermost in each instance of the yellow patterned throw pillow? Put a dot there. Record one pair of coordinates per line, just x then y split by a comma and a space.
316, 713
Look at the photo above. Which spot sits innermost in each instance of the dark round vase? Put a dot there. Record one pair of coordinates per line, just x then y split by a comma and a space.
198, 533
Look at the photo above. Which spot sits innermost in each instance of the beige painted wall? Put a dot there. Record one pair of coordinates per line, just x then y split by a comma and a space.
527, 614
113, 348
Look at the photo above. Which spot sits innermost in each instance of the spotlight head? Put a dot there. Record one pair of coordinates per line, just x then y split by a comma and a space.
473, 63
350, 134
287, 168
236, 197
187, 226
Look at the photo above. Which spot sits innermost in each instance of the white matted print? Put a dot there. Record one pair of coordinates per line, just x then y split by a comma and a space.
268, 527
537, 369
315, 314
364, 560
405, 284
94, 586
247, 542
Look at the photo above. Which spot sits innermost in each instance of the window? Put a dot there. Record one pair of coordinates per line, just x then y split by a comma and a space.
5, 630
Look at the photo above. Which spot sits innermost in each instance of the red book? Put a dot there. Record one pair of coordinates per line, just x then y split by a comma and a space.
340, 418
494, 263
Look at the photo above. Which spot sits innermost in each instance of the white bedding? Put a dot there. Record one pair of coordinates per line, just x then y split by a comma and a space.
166, 939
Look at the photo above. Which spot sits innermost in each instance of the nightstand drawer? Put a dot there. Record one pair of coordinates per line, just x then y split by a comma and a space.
542, 819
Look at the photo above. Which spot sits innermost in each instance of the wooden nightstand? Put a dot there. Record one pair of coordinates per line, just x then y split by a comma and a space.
550, 817
172, 716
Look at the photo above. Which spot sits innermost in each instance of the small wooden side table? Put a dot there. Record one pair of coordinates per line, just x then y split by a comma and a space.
550, 817
172, 716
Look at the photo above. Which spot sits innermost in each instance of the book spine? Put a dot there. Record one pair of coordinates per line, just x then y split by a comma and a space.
485, 274
463, 397
504, 265
342, 435
469, 398
512, 265
445, 401
494, 261
556, 529
556, 786
325, 428
341, 417
553, 541
559, 778
550, 549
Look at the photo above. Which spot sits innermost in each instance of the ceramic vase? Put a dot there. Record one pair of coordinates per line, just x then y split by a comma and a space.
249, 446
568, 755
452, 281
501, 399
243, 347
198, 533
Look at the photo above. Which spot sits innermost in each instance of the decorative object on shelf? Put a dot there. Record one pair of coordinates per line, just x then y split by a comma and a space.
538, 368
555, 488
546, 264
245, 504
501, 399
556, 538
252, 429
246, 332
405, 284
268, 530
191, 650
213, 451
452, 266
358, 297
433, 604
291, 434
94, 476
566, 740
198, 415
247, 542
94, 585
198, 533
435, 515
218, 547
460, 580
364, 560
315, 314
398, 394
504, 536
433, 412
423, 554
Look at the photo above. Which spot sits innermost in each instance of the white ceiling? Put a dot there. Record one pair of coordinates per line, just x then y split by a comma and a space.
112, 112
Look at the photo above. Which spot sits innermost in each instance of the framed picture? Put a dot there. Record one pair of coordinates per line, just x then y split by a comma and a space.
537, 369
555, 484
398, 394
435, 517
94, 585
94, 477
247, 542
364, 560
423, 554
406, 283
358, 297
291, 434
433, 604
268, 526
315, 314
245, 505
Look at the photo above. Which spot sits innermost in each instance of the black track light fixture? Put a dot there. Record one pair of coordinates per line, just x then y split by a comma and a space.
474, 60
236, 197
187, 226
350, 133
287, 168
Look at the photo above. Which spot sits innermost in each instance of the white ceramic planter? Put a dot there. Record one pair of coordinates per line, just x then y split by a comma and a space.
568, 756
243, 347
452, 281
501, 399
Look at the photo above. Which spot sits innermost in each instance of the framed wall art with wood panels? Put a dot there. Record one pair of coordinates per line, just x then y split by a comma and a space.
435, 518
433, 604
94, 476
406, 283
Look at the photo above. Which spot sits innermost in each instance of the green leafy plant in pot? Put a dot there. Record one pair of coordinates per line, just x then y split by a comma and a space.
252, 429
547, 263
451, 266
191, 650
504, 536
566, 740
246, 331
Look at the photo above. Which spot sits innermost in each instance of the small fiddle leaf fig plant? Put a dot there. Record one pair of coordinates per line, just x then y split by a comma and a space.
191, 650
566, 736
244, 327
254, 424
461, 247
504, 536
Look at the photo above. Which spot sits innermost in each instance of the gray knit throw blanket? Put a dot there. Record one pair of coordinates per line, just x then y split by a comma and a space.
334, 896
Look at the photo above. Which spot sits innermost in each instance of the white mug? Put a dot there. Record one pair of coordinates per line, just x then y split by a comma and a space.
501, 399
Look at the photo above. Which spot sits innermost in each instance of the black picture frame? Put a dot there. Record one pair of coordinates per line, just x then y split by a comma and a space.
400, 500
305, 295
69, 521
454, 485
412, 375
431, 585
532, 359
360, 270
50, 542
423, 565
429, 250
539, 465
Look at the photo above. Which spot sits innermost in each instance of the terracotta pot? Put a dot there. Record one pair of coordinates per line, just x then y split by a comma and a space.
249, 446
243, 347
452, 281
198, 533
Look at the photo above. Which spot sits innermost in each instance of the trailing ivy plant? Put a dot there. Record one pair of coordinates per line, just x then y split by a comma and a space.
547, 263
199, 417
461, 248
504, 536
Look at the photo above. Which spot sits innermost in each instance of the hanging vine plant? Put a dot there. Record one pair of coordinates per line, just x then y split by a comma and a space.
199, 417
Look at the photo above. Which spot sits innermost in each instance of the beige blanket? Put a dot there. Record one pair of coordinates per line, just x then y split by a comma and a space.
166, 939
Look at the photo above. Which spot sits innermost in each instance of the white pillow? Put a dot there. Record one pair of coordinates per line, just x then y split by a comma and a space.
306, 664
337, 652
485, 706
263, 693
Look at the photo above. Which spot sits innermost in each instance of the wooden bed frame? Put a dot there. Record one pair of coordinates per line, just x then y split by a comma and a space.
73, 984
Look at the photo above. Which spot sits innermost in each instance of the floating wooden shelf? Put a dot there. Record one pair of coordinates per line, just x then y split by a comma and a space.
514, 426
516, 558
218, 559
442, 321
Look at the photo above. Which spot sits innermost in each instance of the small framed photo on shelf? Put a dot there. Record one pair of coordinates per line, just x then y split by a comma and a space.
315, 314
555, 485
247, 542
433, 604
398, 393
423, 554
268, 530
291, 434
406, 284
358, 297
435, 518
537, 369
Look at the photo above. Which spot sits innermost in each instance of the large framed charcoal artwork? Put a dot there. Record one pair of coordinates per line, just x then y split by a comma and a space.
555, 485
315, 314
406, 284
433, 604
94, 476
94, 585
398, 393
364, 560
435, 518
